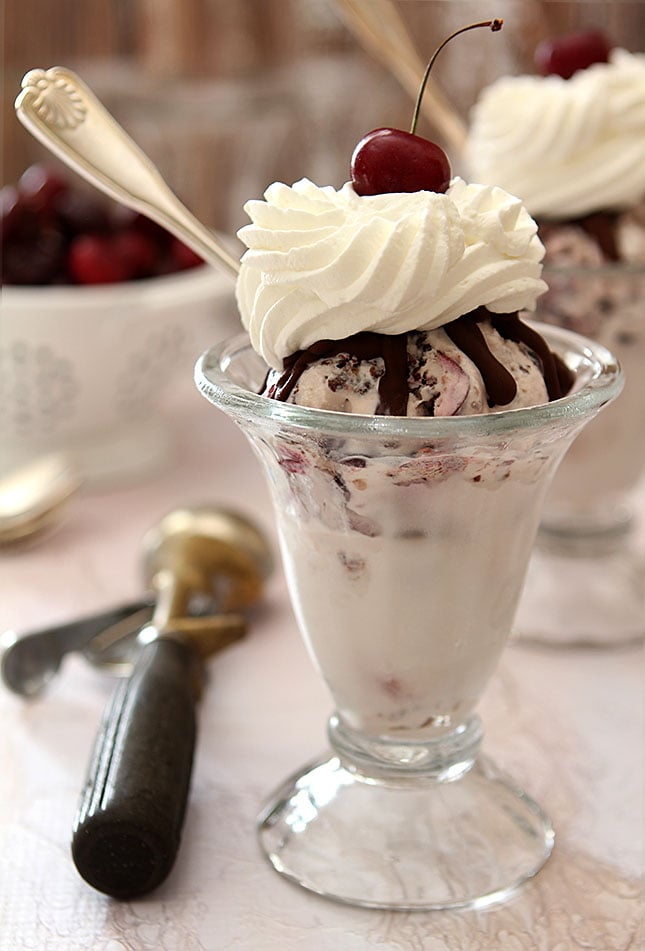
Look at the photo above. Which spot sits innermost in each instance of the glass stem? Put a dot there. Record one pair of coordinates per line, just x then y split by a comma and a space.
440, 758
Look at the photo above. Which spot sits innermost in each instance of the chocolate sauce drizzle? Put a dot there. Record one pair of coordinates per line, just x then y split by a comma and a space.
465, 333
366, 345
558, 378
501, 388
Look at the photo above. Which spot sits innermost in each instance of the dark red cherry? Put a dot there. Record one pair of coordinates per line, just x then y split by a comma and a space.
136, 251
81, 212
34, 259
158, 235
183, 257
94, 259
390, 160
53, 231
565, 55
12, 212
41, 187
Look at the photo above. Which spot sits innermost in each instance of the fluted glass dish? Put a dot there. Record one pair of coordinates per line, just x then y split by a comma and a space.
405, 543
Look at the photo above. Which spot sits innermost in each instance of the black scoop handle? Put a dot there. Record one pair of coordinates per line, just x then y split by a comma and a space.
128, 826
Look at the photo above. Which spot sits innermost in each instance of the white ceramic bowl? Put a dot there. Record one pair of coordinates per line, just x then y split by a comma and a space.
80, 367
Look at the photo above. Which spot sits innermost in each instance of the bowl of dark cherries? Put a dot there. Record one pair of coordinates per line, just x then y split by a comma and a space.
103, 312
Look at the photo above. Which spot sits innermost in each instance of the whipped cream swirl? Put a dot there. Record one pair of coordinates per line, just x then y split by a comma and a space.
567, 147
325, 264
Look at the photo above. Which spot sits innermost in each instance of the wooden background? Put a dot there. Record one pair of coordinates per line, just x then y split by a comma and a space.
229, 95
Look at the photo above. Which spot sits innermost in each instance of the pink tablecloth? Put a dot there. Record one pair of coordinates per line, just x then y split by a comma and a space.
569, 726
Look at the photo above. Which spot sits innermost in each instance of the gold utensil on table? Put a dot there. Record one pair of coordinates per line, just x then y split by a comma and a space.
65, 116
33, 495
129, 821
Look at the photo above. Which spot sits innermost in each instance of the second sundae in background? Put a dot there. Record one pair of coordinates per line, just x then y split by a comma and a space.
571, 143
573, 149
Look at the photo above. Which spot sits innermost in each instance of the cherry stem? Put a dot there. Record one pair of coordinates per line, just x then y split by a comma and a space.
495, 26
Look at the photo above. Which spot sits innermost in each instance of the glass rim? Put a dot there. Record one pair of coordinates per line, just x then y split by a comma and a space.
604, 383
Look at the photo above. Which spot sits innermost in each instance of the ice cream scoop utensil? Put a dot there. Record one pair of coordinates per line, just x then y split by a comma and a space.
66, 117
129, 822
29, 660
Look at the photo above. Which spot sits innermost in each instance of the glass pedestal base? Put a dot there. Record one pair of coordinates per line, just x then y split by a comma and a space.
406, 839
583, 591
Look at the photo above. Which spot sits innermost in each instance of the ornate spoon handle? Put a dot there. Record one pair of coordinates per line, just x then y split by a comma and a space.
61, 112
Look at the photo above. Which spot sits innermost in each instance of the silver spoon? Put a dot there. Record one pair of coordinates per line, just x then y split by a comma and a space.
61, 112
33, 495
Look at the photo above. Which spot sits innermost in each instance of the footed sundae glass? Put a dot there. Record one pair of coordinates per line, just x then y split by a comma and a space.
586, 579
405, 544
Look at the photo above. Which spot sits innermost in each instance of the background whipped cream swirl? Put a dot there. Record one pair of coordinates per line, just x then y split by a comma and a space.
567, 147
325, 264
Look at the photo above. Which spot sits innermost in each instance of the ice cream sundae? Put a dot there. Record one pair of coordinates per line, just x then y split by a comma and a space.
408, 420
400, 304
571, 143
570, 146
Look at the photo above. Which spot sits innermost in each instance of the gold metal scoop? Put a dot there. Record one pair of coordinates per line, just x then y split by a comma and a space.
210, 552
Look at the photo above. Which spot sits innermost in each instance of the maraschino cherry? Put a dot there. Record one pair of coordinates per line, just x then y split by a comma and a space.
565, 55
390, 160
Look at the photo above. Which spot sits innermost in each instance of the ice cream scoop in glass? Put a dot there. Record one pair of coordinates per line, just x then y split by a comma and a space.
405, 543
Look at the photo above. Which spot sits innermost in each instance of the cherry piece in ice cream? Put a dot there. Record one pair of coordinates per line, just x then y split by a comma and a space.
455, 389
565, 55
